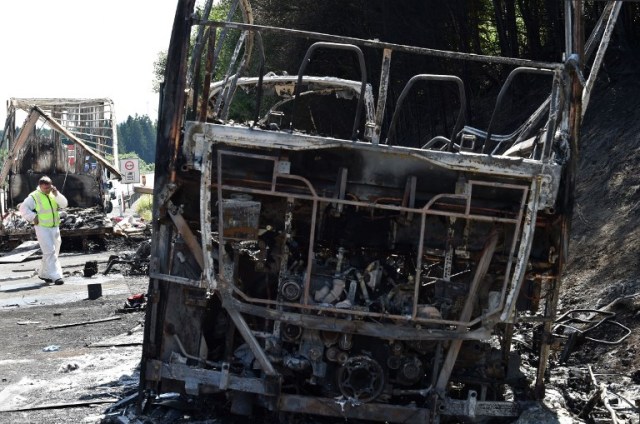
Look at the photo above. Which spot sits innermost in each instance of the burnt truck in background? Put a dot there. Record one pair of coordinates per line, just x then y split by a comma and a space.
315, 260
74, 142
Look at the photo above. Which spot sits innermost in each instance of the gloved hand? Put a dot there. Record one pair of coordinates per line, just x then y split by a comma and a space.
35, 221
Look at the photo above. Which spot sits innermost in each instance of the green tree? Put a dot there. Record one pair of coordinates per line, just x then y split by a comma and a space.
137, 135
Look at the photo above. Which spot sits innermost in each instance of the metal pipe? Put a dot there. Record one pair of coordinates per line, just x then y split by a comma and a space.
382, 94
430, 77
501, 94
383, 45
256, 115
454, 348
363, 78
602, 48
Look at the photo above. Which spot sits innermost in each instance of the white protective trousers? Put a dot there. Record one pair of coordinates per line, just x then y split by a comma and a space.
50, 241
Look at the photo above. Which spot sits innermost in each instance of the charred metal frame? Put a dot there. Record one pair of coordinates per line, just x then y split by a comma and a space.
215, 155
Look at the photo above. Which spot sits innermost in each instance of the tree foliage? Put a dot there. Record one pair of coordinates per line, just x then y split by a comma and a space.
137, 136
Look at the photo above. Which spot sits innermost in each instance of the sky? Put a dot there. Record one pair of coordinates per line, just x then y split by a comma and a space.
84, 48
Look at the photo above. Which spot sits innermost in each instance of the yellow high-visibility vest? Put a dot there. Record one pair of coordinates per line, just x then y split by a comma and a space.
46, 208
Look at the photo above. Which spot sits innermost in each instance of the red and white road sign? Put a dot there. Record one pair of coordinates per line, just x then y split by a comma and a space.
130, 170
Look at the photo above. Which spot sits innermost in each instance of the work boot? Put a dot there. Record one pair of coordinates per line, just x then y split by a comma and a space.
59, 281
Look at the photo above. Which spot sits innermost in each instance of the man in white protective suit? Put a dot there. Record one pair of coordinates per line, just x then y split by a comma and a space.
41, 209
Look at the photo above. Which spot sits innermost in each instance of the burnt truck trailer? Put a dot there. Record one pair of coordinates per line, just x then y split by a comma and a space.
318, 263
74, 142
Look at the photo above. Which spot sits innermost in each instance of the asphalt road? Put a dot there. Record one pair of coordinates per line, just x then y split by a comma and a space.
20, 286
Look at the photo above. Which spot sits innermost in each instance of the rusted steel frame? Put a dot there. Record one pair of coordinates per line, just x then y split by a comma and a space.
76, 404
195, 86
424, 211
241, 184
259, 94
19, 143
383, 45
589, 48
186, 233
556, 106
273, 159
418, 278
565, 319
514, 242
324, 91
232, 62
602, 48
573, 28
246, 333
284, 260
523, 251
221, 260
47, 103
371, 205
205, 217
314, 198
363, 76
170, 109
247, 16
501, 94
615, 342
223, 33
218, 379
482, 408
382, 94
56, 126
353, 410
9, 126
92, 135
329, 323
430, 77
354, 312
226, 107
545, 347
206, 86
194, 65
175, 279
454, 348
475, 163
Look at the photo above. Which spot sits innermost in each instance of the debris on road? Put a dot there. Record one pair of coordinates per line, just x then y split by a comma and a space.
20, 253
61, 405
74, 324
51, 348
90, 268
138, 261
94, 291
134, 303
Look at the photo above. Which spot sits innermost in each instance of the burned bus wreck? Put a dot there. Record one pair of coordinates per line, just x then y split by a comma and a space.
318, 264
74, 142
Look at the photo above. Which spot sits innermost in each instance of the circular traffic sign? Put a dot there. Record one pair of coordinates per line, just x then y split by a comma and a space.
129, 165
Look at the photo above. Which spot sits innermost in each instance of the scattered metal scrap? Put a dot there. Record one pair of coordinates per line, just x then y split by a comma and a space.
20, 253
576, 324
138, 261
62, 405
75, 324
